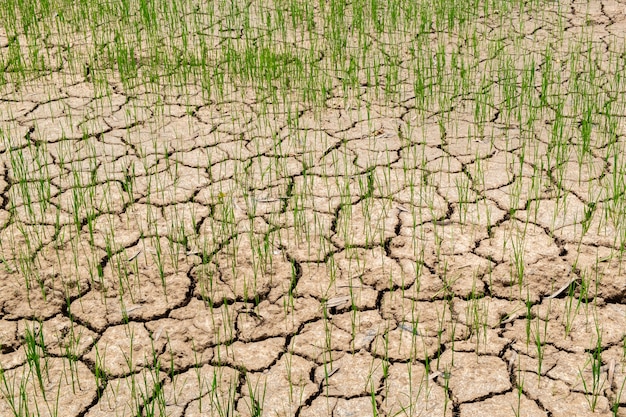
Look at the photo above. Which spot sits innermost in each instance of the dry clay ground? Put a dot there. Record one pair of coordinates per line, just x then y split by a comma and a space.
221, 267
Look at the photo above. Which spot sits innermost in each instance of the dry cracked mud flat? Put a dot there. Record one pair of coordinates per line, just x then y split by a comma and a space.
169, 254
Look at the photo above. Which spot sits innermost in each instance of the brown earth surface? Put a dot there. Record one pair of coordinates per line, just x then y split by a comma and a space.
230, 276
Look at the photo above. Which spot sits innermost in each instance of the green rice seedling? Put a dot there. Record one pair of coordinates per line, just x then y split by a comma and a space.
593, 391
197, 365
446, 388
53, 408
23, 408
99, 372
71, 353
463, 190
327, 356
8, 393
528, 320
519, 390
423, 390
477, 311
224, 406
155, 404
571, 303
539, 340
617, 399
34, 350
159, 260
257, 398
289, 300
373, 401
128, 183
518, 246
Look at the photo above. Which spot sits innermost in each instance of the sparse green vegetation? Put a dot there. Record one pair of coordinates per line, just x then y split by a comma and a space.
282, 207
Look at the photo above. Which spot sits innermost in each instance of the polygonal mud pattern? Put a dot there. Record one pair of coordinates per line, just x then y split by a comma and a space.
472, 377
312, 209
73, 394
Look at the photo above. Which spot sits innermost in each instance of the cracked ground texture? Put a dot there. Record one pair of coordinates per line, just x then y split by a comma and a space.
431, 223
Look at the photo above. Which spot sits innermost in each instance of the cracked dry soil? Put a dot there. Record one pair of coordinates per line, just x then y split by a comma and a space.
207, 258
